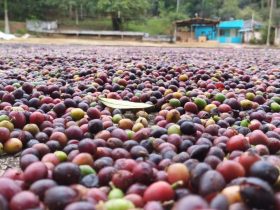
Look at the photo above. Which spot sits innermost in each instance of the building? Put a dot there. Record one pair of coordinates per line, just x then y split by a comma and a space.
229, 31
233, 31
251, 31
195, 29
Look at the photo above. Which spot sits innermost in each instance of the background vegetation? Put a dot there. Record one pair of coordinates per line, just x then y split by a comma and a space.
152, 16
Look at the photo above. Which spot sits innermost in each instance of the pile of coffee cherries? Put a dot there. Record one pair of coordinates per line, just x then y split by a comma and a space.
211, 140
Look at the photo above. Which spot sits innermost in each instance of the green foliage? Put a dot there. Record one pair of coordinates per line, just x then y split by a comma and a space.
154, 16
153, 26
230, 9
247, 13
173, 16
122, 10
21, 31
264, 35
126, 9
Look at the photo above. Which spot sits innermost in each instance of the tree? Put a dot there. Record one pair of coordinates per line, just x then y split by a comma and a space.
210, 8
73, 9
123, 10
229, 10
248, 12
7, 27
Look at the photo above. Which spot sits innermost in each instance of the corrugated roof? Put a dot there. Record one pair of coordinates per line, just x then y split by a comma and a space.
198, 20
252, 23
231, 24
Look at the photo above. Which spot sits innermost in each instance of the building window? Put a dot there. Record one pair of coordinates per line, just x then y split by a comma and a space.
222, 32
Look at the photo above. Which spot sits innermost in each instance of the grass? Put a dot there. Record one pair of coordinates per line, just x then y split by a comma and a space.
89, 24
153, 26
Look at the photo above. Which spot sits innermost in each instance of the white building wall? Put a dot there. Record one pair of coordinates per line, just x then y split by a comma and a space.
249, 35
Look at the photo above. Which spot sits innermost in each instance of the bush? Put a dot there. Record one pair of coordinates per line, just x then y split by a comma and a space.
264, 35
21, 31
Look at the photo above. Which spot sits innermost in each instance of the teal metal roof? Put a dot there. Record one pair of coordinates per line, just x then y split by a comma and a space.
231, 24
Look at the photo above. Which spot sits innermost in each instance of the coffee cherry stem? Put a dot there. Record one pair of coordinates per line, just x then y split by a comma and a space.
177, 184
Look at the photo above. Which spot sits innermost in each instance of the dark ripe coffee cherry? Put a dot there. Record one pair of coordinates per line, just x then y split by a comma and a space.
90, 181
81, 205
210, 183
190, 202
95, 125
138, 151
257, 194
196, 173
105, 175
103, 162
3, 203
59, 197
27, 159
93, 113
41, 186
188, 128
66, 174
220, 201
265, 170
122, 179
153, 205
88, 146
143, 173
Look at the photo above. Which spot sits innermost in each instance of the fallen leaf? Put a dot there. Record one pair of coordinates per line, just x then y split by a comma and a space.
120, 104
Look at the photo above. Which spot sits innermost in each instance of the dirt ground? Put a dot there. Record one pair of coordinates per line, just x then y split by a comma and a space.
7, 162
107, 42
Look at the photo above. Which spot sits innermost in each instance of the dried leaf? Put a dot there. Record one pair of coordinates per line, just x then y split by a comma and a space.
120, 104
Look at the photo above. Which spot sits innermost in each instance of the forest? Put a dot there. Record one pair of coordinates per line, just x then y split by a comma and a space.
138, 14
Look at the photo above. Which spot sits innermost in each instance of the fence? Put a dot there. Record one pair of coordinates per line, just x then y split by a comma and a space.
158, 38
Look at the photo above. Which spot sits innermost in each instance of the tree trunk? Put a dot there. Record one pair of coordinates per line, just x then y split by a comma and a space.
70, 11
77, 15
116, 22
262, 4
7, 25
202, 8
81, 12
275, 4
177, 6
155, 8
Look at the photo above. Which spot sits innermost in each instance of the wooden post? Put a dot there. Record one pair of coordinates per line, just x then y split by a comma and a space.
191, 33
253, 25
175, 34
